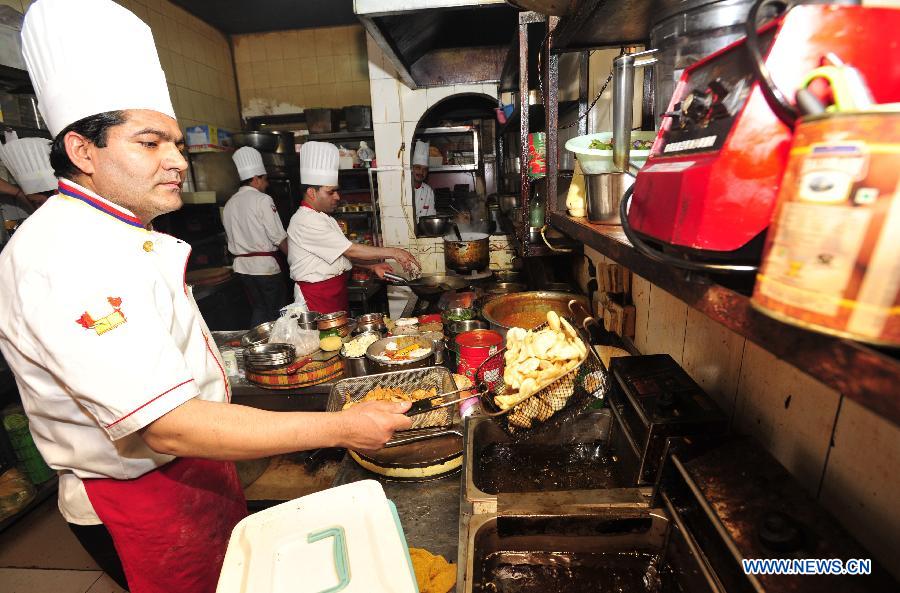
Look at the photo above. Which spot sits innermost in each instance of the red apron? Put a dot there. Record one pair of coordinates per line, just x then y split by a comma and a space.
328, 296
276, 254
171, 526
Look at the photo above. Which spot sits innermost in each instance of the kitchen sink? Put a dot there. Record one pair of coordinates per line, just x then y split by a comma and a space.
584, 459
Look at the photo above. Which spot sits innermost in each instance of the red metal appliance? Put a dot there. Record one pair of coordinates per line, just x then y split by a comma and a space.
708, 189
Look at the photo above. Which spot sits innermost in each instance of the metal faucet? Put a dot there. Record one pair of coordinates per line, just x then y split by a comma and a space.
623, 103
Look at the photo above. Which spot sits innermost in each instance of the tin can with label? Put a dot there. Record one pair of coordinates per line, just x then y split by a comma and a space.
537, 155
475, 347
832, 258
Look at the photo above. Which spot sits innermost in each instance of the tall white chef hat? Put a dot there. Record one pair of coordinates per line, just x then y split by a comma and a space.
420, 153
90, 57
28, 159
319, 163
249, 162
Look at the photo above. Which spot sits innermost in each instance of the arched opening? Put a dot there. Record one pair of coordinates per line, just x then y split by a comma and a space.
460, 171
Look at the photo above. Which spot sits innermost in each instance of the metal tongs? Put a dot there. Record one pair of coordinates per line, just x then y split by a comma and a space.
426, 405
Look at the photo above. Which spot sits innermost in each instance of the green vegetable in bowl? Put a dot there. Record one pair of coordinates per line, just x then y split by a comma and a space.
598, 144
463, 315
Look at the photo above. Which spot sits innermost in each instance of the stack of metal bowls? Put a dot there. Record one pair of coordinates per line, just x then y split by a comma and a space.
269, 356
258, 335
371, 322
339, 320
308, 320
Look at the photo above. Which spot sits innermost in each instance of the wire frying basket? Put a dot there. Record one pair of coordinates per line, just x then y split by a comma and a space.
438, 378
550, 406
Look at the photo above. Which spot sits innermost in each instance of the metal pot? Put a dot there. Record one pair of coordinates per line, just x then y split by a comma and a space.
261, 141
308, 320
604, 193
499, 288
469, 255
331, 320
285, 143
507, 202
434, 226
381, 366
497, 312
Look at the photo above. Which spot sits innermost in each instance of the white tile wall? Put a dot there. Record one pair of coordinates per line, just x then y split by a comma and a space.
413, 103
713, 356
862, 484
790, 413
385, 100
666, 325
388, 139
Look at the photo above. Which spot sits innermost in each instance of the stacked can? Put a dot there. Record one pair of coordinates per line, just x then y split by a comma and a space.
29, 457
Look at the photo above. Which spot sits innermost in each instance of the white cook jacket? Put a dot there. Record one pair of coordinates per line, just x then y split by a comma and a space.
103, 336
316, 248
424, 201
252, 225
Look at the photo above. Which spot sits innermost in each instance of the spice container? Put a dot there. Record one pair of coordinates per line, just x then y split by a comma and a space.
475, 347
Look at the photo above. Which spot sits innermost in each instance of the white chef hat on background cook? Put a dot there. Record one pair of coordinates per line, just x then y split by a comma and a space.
319, 162
420, 153
87, 57
249, 162
28, 159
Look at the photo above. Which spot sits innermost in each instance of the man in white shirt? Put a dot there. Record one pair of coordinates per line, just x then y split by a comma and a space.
424, 198
319, 254
125, 391
255, 233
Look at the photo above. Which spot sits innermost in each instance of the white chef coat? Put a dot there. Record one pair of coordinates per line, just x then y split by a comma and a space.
103, 336
424, 201
252, 225
10, 208
316, 248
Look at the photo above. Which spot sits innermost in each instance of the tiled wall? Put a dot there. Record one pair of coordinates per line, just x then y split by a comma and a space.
843, 454
287, 71
396, 110
195, 57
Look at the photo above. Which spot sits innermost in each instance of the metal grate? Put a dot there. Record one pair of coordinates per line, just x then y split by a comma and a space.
439, 378
547, 408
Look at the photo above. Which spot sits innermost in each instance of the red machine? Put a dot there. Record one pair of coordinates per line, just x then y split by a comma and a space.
708, 190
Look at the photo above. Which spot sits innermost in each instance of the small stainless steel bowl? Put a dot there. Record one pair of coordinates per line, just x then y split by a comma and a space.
383, 366
370, 318
472, 314
458, 327
269, 356
258, 335
308, 320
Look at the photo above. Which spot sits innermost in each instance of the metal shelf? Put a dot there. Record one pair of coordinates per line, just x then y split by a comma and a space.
864, 374
446, 130
453, 169
366, 135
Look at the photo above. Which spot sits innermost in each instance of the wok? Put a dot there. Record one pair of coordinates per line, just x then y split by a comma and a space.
427, 286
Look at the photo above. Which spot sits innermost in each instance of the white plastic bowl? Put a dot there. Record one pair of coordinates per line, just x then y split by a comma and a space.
595, 161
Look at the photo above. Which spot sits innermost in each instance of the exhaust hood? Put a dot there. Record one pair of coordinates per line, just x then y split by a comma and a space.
441, 42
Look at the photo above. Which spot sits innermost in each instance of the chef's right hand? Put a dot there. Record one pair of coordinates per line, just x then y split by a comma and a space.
370, 425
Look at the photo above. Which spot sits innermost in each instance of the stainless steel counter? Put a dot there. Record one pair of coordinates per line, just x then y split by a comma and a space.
429, 511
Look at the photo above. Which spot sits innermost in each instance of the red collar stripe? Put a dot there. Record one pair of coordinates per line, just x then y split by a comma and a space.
70, 191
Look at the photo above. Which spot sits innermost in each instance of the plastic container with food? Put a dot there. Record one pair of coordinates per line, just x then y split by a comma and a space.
599, 160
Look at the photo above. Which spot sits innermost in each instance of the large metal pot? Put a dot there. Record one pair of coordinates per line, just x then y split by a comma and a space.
471, 254
261, 141
501, 312
435, 225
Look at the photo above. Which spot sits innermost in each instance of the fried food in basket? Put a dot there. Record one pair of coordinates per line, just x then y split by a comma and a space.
393, 394
536, 358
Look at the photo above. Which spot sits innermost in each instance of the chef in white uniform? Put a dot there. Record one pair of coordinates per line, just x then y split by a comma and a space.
424, 194
28, 160
122, 383
319, 255
255, 236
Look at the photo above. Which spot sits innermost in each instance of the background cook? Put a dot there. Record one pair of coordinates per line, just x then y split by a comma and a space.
255, 237
424, 194
319, 255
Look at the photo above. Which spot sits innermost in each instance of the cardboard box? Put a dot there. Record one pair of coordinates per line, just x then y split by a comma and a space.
207, 138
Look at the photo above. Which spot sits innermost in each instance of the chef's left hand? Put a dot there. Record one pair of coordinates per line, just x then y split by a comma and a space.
381, 268
405, 259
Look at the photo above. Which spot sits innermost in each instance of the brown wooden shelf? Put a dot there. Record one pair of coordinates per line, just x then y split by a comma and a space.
866, 375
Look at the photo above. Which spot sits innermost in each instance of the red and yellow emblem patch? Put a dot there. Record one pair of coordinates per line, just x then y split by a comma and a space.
106, 323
